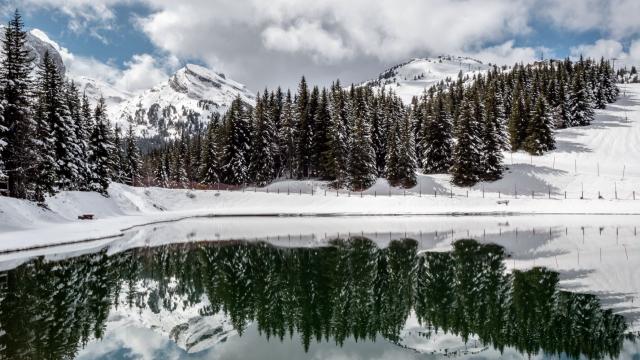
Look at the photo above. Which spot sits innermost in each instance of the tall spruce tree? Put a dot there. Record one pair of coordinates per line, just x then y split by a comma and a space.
210, 167
362, 169
466, 152
62, 126
287, 138
17, 128
408, 162
437, 142
540, 138
101, 146
337, 158
262, 150
133, 164
45, 164
304, 131
580, 101
118, 157
492, 147
236, 149
322, 124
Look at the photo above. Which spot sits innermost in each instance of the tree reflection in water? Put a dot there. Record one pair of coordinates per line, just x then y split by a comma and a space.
350, 288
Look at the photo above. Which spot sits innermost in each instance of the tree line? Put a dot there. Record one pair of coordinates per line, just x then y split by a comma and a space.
348, 289
51, 139
355, 135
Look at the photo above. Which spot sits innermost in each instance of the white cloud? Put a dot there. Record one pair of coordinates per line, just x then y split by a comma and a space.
610, 49
306, 37
141, 72
507, 54
617, 18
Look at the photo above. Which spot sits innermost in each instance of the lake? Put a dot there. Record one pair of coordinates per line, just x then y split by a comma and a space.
331, 288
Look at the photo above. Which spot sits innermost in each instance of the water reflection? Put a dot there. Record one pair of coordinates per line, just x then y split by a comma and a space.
349, 289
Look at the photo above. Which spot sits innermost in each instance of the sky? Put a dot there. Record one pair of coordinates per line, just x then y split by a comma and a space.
135, 44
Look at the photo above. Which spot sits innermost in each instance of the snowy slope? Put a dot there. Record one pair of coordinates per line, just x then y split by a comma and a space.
415, 76
95, 88
194, 93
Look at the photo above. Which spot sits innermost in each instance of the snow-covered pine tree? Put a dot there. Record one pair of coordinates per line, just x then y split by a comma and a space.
210, 167
304, 130
517, 118
179, 151
562, 114
262, 161
362, 167
407, 155
492, 147
540, 138
322, 125
160, 176
45, 164
336, 160
18, 123
437, 142
287, 137
393, 172
118, 158
86, 129
61, 124
236, 144
101, 149
3, 143
580, 102
79, 150
133, 164
378, 136
466, 152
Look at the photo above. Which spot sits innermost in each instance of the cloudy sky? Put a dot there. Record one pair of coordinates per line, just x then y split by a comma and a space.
137, 43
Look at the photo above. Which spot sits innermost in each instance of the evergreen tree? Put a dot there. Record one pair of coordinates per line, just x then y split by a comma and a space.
118, 157
491, 151
393, 171
362, 169
540, 137
336, 159
437, 139
81, 135
46, 166
101, 146
466, 152
322, 124
517, 119
179, 151
62, 126
262, 149
287, 137
408, 163
236, 148
304, 131
132, 162
160, 175
17, 128
580, 102
210, 167
85, 130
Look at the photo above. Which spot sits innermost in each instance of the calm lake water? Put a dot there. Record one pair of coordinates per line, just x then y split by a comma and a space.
374, 295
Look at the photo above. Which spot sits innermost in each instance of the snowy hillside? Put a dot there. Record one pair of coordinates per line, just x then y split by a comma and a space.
37, 44
415, 76
194, 93
95, 88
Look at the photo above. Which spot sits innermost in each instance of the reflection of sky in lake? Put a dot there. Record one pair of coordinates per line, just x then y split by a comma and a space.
140, 343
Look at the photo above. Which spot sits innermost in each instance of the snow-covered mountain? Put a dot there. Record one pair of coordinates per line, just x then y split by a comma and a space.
413, 77
94, 88
194, 93
38, 43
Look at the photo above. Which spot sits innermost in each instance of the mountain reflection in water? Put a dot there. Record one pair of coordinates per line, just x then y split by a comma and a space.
349, 289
